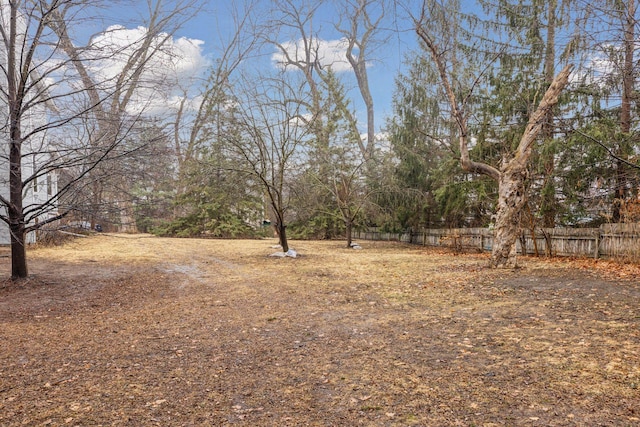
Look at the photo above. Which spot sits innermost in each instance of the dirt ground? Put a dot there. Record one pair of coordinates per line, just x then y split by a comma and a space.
145, 331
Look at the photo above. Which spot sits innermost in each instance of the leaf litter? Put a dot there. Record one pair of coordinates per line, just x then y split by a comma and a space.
137, 330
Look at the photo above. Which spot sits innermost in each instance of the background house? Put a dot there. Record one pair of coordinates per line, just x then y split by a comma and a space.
37, 151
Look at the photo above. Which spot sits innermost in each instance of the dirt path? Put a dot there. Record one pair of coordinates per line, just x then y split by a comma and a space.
133, 330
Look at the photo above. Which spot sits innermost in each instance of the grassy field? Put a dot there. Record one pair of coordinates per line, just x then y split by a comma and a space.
144, 331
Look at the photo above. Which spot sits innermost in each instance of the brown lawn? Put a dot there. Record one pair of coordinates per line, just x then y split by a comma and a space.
144, 331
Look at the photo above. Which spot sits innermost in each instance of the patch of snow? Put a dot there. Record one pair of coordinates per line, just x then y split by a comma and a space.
290, 253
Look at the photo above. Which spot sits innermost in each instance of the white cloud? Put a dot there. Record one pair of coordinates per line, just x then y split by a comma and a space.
113, 48
176, 64
597, 71
602, 67
301, 120
328, 53
190, 60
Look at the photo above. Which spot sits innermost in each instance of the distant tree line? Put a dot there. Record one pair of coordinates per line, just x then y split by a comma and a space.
473, 109
507, 113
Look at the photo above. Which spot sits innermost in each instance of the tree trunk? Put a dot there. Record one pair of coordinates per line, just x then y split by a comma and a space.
15, 208
16, 187
282, 236
621, 189
18, 252
511, 200
549, 204
629, 12
349, 232
512, 176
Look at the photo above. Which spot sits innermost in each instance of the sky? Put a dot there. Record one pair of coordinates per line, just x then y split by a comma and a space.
198, 41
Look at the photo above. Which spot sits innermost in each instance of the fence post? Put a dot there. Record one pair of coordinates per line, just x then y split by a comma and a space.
596, 254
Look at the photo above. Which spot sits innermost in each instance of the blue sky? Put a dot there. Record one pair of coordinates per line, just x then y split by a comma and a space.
215, 21
384, 61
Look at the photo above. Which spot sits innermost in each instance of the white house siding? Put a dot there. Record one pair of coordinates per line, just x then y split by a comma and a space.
34, 194
37, 116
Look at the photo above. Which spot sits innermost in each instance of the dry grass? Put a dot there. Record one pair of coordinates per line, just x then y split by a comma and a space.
135, 330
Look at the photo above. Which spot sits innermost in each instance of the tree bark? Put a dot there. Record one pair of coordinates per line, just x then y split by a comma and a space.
511, 191
282, 237
15, 209
511, 199
16, 82
629, 12
548, 202
18, 251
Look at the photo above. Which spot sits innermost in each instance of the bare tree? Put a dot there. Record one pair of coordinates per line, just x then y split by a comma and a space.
27, 55
273, 126
194, 125
343, 160
363, 25
63, 118
294, 20
115, 98
359, 22
347, 187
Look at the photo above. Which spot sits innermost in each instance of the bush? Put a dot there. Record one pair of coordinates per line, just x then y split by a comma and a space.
228, 226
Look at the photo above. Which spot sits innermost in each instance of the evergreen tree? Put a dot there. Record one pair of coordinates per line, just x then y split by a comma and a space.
465, 66
431, 188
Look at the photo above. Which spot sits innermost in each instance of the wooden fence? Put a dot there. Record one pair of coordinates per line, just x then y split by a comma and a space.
608, 241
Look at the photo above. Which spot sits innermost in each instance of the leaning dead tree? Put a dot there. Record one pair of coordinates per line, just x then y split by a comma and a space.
512, 173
